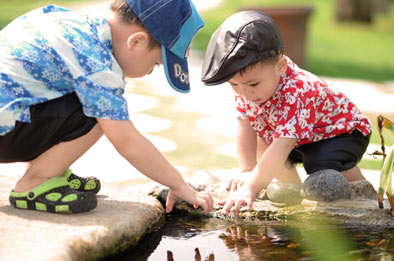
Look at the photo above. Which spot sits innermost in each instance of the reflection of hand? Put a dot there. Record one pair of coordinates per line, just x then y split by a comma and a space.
244, 195
235, 183
244, 242
186, 193
170, 256
197, 255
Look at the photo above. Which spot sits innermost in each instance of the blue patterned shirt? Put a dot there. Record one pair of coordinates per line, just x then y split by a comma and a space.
52, 51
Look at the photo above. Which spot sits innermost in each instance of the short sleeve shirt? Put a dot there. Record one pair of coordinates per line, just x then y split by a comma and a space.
52, 51
303, 107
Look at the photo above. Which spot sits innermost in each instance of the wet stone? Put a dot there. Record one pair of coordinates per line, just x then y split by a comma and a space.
361, 209
286, 193
325, 185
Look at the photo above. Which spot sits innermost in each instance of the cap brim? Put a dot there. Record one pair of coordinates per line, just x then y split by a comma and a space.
177, 71
210, 82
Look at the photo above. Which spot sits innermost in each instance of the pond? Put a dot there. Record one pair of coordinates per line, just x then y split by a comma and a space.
191, 238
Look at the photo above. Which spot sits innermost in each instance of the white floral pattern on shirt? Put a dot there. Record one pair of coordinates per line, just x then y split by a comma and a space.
56, 52
304, 108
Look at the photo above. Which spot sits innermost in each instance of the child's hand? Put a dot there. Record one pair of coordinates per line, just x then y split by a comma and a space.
191, 196
243, 196
235, 183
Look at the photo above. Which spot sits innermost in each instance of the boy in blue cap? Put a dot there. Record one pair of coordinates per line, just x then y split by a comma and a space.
61, 85
285, 114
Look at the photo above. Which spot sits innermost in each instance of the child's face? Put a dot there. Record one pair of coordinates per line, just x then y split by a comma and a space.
259, 82
136, 57
141, 61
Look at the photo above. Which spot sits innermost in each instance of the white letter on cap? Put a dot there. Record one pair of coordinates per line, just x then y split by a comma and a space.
181, 75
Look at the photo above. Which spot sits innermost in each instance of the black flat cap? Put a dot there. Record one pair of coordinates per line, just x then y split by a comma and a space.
243, 38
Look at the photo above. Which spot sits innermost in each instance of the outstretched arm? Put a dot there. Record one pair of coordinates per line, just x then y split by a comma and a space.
246, 142
270, 163
145, 157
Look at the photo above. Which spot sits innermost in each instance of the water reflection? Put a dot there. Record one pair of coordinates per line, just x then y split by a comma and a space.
197, 256
260, 242
187, 238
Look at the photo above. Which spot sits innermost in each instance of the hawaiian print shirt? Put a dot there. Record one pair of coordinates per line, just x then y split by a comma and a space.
303, 107
52, 51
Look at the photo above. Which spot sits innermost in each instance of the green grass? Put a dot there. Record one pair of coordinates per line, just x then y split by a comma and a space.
10, 9
348, 50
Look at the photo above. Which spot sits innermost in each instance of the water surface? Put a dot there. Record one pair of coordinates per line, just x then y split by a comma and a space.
191, 238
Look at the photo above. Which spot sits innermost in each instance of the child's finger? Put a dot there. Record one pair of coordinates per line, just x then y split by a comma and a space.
229, 184
234, 185
227, 207
237, 206
169, 203
208, 199
202, 203
221, 203
250, 204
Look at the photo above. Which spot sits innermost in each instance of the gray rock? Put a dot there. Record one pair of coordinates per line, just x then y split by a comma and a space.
362, 189
286, 193
325, 185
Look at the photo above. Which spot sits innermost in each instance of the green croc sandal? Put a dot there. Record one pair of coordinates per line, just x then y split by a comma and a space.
54, 195
83, 184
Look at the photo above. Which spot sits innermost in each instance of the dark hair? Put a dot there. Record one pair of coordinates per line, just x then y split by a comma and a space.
269, 60
129, 17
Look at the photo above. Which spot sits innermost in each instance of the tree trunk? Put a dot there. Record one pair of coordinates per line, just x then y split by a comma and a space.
354, 10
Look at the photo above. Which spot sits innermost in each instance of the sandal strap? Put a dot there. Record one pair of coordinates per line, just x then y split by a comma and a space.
67, 174
55, 196
52, 183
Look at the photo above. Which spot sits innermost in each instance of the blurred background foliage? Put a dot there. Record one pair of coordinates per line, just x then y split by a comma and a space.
337, 49
10, 9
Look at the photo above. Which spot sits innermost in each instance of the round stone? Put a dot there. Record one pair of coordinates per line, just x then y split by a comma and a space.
280, 192
325, 185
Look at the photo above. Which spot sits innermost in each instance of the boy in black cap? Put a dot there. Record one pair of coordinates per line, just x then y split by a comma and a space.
61, 85
286, 114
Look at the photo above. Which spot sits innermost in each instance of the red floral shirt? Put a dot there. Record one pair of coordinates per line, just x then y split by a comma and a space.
305, 108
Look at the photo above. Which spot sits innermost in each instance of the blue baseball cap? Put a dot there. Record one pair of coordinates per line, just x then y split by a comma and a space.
173, 23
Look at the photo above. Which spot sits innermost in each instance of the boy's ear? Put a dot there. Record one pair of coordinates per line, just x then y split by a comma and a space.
137, 39
282, 64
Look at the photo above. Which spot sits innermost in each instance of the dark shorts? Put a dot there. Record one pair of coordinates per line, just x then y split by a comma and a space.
340, 153
52, 122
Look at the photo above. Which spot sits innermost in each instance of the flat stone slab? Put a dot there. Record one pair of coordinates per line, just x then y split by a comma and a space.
120, 219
